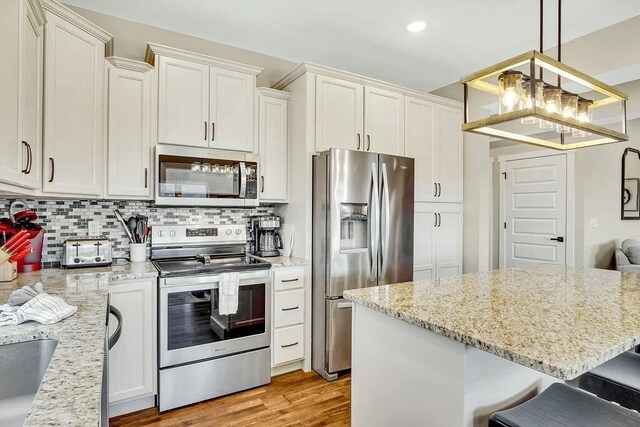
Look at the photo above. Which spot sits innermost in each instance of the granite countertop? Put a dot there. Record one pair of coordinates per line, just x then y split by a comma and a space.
283, 261
558, 320
71, 388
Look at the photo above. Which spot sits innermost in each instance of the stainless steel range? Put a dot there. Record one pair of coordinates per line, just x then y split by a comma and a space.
204, 350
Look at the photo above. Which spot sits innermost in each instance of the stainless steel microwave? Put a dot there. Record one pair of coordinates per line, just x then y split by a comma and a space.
189, 176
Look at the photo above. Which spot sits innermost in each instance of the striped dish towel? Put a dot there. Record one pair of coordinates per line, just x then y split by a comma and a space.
42, 308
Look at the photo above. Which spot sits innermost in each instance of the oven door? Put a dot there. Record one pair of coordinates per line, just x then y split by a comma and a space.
196, 176
192, 329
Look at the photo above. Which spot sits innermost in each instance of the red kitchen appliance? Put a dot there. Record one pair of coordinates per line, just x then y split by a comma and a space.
24, 219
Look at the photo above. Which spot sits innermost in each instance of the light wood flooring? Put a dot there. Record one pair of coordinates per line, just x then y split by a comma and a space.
293, 399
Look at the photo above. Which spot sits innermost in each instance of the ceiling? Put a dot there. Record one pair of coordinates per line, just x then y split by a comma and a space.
369, 36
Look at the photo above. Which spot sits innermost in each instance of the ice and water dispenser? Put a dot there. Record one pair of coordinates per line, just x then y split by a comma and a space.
354, 221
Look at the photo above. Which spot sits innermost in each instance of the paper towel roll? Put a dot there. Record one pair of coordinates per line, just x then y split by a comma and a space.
287, 231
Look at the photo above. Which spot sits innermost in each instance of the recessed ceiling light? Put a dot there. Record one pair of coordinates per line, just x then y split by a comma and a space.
416, 26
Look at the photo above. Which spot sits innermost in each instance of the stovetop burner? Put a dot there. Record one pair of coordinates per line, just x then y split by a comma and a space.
208, 265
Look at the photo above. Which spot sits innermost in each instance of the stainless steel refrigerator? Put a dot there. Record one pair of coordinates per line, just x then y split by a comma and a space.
362, 237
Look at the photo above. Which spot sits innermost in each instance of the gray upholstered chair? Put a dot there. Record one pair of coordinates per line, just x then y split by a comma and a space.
628, 256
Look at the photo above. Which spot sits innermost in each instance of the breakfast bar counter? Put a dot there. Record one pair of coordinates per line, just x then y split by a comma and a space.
453, 350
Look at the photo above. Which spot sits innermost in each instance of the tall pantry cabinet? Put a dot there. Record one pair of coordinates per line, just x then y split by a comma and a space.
21, 31
74, 102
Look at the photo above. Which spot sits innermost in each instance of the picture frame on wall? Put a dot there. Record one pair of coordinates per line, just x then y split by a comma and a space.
630, 196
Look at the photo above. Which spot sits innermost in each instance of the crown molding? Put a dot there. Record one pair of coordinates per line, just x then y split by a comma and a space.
84, 24
129, 64
38, 11
154, 50
307, 67
274, 93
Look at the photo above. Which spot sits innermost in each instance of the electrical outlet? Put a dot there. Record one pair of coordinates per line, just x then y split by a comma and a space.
94, 228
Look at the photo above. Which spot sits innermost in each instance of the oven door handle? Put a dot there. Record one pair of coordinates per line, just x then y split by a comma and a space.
243, 180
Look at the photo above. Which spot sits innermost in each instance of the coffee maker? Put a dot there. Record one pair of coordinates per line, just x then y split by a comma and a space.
265, 237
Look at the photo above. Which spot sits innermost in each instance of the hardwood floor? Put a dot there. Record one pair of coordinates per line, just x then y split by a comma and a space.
294, 399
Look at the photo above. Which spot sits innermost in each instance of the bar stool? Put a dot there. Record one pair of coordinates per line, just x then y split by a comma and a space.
617, 380
564, 406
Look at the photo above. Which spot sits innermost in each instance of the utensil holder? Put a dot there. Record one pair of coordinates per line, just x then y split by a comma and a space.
138, 252
8, 271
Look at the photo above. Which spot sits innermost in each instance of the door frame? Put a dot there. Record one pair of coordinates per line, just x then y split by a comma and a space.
570, 211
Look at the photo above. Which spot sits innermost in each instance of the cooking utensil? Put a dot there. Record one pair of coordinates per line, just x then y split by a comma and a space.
124, 224
18, 256
140, 231
132, 223
14, 245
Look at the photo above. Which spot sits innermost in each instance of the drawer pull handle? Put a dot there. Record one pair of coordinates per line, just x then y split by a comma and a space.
291, 308
290, 280
289, 345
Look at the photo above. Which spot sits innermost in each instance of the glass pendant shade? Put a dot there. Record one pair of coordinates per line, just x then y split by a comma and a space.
583, 115
528, 101
569, 108
551, 103
510, 91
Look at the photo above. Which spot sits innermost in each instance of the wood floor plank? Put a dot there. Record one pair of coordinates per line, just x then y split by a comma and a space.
293, 399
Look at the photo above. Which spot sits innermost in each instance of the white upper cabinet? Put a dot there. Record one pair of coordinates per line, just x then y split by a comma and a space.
231, 109
449, 154
204, 101
73, 103
183, 102
339, 114
433, 137
129, 130
273, 140
21, 33
383, 121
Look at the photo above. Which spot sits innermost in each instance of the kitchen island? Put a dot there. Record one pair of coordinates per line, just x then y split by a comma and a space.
451, 351
70, 392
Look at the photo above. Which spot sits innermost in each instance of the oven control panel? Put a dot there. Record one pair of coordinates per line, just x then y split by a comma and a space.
174, 235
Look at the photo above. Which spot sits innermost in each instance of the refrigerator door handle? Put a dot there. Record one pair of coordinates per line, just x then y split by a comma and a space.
384, 220
373, 218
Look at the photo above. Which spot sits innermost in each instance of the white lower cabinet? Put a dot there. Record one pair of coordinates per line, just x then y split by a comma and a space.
132, 360
437, 240
288, 308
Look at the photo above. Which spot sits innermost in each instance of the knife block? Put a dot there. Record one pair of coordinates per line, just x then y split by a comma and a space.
8, 271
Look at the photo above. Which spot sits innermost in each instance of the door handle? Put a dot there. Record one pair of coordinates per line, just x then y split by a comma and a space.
289, 345
358, 141
291, 308
289, 280
368, 142
435, 219
346, 304
26, 168
262, 179
213, 131
384, 238
435, 189
53, 169
113, 339
206, 127
146, 177
558, 239
439, 189
30, 158
374, 227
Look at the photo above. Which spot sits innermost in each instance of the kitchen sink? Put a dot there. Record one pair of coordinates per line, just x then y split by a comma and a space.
22, 367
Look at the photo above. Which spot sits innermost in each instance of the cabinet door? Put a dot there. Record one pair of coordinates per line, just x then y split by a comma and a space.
383, 121
129, 132
449, 241
419, 144
231, 110
31, 88
183, 102
73, 109
449, 154
423, 242
339, 114
272, 137
11, 159
132, 358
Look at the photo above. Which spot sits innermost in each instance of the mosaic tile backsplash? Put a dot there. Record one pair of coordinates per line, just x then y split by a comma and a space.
62, 219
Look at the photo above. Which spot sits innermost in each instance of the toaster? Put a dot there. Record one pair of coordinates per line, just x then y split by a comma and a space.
86, 252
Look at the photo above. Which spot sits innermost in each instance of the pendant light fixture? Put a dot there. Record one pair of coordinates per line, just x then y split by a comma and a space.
544, 102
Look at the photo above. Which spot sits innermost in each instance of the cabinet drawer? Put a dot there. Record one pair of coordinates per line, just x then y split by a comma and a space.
288, 344
288, 279
288, 308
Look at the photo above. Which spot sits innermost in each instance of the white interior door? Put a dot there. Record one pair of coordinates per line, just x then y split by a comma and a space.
535, 211
384, 121
339, 114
